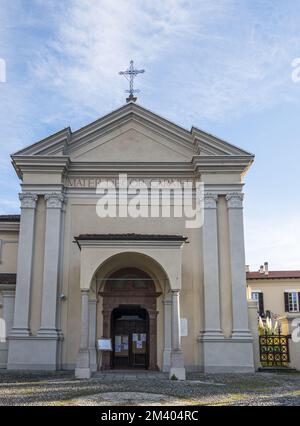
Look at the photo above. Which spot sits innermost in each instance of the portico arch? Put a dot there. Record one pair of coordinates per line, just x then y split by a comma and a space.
131, 292
146, 287
158, 257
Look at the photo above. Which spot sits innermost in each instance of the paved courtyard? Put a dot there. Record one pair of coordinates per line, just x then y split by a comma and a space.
124, 388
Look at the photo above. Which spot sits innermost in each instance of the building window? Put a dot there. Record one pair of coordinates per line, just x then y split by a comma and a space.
255, 295
293, 299
259, 297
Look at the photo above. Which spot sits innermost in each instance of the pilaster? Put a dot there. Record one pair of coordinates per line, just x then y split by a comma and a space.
24, 265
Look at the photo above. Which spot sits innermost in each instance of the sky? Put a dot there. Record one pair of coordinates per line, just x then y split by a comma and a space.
224, 66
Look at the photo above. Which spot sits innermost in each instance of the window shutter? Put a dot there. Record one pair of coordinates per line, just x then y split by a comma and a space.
286, 302
261, 303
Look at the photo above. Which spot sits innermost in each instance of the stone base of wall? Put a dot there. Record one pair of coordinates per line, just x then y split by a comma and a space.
33, 353
3, 354
227, 355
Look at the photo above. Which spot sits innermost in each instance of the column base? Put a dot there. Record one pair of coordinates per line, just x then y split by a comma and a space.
82, 373
177, 365
241, 334
83, 370
166, 360
48, 332
20, 332
93, 359
3, 354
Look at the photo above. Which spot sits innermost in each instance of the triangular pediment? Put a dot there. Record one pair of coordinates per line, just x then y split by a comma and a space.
132, 133
131, 142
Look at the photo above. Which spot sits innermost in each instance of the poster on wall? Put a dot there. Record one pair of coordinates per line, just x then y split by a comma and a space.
139, 344
125, 343
118, 343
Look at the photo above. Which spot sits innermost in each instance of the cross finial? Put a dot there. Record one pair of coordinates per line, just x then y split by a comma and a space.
129, 74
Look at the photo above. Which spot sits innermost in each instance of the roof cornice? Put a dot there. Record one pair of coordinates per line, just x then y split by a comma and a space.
39, 164
209, 141
55, 143
10, 226
121, 167
222, 163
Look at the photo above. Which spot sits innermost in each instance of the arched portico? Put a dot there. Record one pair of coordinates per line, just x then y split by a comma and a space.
157, 256
129, 310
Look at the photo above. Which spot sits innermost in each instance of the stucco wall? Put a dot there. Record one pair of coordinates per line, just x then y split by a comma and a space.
8, 258
273, 291
81, 218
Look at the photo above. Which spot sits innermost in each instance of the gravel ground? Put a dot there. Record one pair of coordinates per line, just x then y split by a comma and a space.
61, 388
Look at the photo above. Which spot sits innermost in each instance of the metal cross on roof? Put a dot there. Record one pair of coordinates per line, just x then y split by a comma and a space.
129, 74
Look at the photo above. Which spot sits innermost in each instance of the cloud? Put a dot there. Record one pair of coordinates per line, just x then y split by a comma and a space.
276, 240
205, 59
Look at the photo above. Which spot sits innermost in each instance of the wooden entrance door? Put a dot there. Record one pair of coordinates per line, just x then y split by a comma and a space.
132, 292
130, 338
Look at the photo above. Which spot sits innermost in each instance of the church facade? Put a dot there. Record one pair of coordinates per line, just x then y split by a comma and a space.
99, 273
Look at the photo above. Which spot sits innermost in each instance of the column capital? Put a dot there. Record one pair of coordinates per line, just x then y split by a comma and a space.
28, 200
235, 200
210, 200
54, 200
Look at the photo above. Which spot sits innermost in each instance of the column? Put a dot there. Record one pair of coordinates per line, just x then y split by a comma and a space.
237, 260
24, 266
211, 268
54, 203
105, 355
92, 334
177, 360
167, 335
83, 370
153, 340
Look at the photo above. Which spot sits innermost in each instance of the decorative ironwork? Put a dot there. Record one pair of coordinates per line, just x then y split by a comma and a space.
274, 350
130, 74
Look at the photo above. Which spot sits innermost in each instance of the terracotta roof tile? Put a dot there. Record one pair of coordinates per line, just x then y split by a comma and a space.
10, 218
273, 275
8, 278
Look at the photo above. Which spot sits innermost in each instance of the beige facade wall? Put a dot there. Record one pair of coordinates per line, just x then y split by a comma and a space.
9, 251
81, 218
